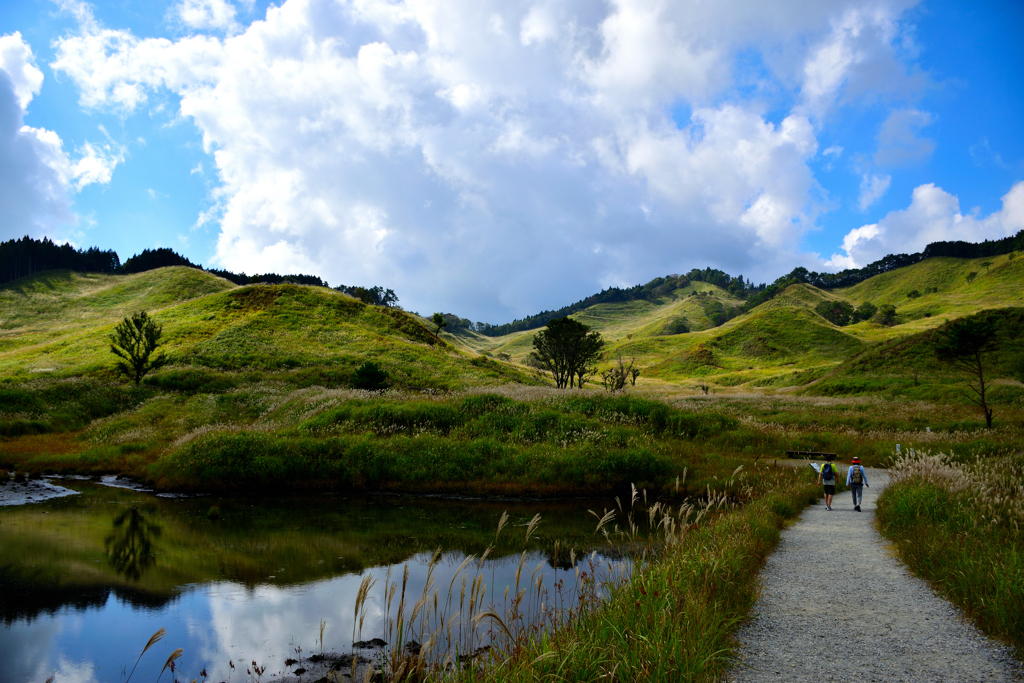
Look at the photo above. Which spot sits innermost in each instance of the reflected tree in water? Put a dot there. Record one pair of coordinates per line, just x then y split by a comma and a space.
130, 544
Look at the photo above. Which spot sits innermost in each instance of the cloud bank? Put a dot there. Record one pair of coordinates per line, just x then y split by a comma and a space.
36, 174
493, 158
933, 216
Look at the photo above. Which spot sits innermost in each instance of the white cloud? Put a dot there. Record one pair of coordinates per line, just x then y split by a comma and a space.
872, 188
17, 60
933, 216
206, 14
494, 155
858, 57
899, 142
36, 173
538, 26
96, 164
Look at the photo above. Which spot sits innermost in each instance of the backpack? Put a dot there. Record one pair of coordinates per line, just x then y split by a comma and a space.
828, 472
857, 476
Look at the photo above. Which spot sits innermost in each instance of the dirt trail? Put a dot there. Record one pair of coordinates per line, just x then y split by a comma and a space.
836, 605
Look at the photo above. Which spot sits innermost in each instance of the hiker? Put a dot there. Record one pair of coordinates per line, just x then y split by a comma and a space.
827, 478
857, 479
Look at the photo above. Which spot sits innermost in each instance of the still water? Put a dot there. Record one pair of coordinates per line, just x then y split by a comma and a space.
86, 580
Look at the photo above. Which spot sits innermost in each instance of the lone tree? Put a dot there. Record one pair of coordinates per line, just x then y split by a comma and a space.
962, 344
568, 350
438, 319
134, 342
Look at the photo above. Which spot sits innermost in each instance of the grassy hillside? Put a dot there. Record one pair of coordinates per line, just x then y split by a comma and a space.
783, 343
234, 353
907, 366
57, 325
267, 358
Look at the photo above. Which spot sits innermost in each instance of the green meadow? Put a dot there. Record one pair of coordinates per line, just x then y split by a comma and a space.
257, 400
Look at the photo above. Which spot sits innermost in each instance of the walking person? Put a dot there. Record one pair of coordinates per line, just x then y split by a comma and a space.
857, 479
827, 478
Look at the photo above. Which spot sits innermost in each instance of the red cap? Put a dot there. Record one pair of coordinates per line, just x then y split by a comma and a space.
856, 461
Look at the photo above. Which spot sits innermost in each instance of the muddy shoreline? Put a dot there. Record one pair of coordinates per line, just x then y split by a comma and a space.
19, 490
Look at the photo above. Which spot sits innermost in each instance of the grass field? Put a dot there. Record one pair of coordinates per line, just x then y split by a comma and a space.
258, 398
957, 522
783, 343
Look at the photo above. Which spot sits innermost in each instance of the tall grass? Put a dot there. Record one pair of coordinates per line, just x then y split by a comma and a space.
674, 619
665, 613
581, 444
958, 525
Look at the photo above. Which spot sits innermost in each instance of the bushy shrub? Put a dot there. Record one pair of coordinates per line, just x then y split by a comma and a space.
370, 376
838, 313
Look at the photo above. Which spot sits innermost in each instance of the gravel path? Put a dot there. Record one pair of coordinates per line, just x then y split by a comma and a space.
836, 605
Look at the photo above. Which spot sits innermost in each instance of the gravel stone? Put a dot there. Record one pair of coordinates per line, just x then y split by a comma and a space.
837, 605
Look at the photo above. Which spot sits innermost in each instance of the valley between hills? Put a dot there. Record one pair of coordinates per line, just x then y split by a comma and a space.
257, 404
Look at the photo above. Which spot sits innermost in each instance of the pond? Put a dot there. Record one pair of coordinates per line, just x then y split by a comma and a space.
85, 580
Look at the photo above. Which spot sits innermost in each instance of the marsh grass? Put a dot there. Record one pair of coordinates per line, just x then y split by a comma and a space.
957, 522
677, 567
582, 443
673, 619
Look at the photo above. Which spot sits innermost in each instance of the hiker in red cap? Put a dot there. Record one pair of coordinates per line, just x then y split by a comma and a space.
856, 480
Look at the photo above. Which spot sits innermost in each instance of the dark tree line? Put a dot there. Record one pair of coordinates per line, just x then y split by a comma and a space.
151, 259
756, 295
374, 296
27, 256
960, 249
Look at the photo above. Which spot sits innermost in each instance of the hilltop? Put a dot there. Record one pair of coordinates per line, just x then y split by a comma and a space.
58, 324
783, 342
260, 375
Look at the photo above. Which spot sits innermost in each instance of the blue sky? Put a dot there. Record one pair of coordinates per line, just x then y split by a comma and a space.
496, 158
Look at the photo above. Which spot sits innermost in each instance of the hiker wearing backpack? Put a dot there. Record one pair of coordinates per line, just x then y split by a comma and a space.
827, 478
857, 479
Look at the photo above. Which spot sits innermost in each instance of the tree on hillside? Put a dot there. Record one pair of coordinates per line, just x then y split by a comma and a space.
838, 313
438, 319
372, 296
971, 277
615, 378
886, 315
370, 376
962, 344
864, 312
134, 340
568, 350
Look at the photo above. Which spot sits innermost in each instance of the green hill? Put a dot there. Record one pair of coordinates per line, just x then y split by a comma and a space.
907, 366
235, 354
782, 342
270, 357
58, 325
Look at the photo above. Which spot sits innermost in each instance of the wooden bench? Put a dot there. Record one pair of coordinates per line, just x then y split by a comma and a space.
806, 455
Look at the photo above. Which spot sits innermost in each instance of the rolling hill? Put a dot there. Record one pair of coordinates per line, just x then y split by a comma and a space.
261, 360
783, 342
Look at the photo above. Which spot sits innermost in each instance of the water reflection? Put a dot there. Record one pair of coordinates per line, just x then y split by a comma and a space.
130, 544
86, 587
